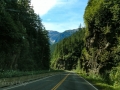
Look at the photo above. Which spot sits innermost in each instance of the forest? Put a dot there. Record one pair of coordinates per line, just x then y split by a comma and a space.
24, 42
94, 49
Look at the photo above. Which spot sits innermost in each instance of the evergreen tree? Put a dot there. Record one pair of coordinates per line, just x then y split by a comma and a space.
23, 38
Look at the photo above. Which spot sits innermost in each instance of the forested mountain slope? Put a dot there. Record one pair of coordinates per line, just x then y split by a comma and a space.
57, 36
53, 35
96, 50
68, 51
24, 43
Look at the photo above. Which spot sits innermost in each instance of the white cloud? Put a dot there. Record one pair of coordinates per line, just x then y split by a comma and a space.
69, 2
41, 7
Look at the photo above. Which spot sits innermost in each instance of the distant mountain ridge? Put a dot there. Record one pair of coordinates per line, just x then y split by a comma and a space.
56, 36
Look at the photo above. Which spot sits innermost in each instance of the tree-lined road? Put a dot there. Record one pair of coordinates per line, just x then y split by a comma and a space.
63, 81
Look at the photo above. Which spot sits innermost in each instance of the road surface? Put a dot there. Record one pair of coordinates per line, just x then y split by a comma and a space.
63, 81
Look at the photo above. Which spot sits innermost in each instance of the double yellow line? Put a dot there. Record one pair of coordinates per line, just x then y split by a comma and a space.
56, 86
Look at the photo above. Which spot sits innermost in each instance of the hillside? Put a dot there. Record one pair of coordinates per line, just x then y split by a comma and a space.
56, 36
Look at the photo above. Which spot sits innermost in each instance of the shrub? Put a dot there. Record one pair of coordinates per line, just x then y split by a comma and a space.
115, 76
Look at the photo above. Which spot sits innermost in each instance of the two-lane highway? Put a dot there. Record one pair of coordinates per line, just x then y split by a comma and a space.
63, 81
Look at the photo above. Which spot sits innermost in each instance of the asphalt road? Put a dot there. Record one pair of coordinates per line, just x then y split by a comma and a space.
63, 81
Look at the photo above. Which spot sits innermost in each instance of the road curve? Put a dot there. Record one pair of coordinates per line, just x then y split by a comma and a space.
63, 81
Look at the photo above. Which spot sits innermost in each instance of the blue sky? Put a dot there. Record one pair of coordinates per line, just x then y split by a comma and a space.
60, 15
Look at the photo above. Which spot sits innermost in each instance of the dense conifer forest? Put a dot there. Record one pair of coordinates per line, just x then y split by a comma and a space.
24, 42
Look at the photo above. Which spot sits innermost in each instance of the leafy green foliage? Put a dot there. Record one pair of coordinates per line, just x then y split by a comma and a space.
101, 37
115, 76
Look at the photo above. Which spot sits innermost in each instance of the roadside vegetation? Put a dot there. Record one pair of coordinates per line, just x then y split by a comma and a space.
99, 82
11, 73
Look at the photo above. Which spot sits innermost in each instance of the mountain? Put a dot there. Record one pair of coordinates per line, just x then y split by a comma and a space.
53, 35
56, 36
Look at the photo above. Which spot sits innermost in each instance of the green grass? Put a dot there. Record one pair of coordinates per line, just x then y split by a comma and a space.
16, 73
98, 82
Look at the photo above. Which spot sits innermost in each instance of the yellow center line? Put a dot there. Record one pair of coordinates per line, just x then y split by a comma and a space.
56, 86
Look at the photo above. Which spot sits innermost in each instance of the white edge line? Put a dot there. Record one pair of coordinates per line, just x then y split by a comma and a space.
90, 83
25, 83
